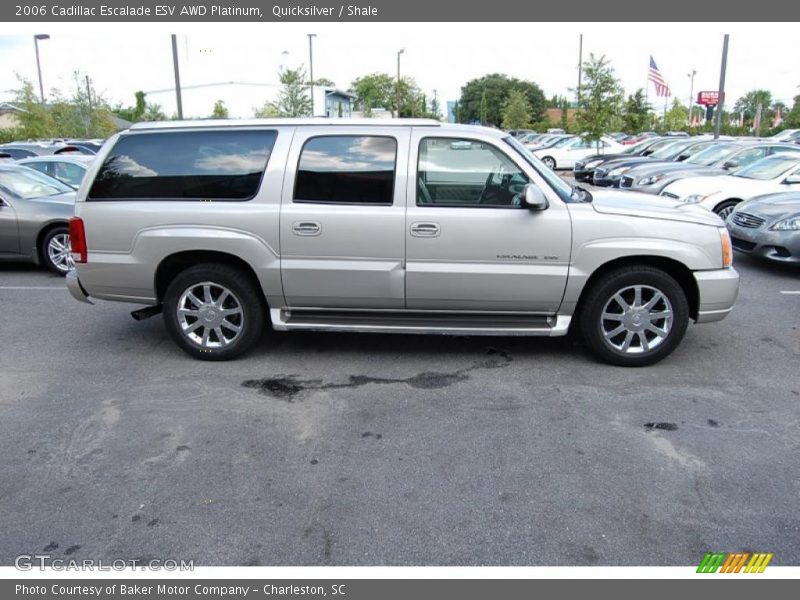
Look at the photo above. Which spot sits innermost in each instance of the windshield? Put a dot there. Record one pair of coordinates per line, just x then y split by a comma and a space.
768, 168
712, 154
559, 185
29, 184
567, 141
635, 148
670, 151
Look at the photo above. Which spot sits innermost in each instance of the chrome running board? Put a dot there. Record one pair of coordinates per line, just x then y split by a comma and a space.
420, 322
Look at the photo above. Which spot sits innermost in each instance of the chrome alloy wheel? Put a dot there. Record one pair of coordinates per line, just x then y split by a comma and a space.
636, 319
58, 251
210, 315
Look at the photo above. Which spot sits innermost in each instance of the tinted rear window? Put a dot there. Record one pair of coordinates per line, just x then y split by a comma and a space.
347, 169
192, 165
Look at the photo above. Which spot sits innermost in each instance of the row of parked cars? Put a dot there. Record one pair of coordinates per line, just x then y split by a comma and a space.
753, 184
37, 197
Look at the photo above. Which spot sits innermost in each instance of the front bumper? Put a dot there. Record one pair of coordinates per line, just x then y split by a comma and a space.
75, 288
717, 291
602, 179
780, 246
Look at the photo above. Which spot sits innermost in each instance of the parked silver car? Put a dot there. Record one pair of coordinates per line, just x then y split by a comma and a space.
385, 227
768, 226
34, 212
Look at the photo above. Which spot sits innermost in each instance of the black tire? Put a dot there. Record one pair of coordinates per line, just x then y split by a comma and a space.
602, 292
244, 294
549, 162
726, 206
56, 234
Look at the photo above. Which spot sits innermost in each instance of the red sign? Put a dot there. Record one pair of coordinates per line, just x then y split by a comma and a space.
708, 98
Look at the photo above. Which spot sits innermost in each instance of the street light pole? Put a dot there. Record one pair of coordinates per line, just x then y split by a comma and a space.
177, 75
399, 52
721, 101
36, 38
311, 37
580, 67
691, 94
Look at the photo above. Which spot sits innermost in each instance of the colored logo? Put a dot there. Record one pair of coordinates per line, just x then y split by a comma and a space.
735, 562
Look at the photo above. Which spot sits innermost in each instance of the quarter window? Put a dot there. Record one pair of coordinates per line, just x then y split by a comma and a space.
467, 173
347, 169
189, 165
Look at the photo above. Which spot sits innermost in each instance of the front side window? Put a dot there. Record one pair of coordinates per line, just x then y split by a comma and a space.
466, 173
188, 165
68, 173
768, 168
347, 169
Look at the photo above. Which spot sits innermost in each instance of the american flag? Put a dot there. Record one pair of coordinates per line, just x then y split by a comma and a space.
654, 75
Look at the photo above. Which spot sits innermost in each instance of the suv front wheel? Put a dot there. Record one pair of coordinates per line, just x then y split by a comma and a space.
634, 316
214, 312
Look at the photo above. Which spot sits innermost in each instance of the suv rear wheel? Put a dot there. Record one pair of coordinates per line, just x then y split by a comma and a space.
214, 312
634, 316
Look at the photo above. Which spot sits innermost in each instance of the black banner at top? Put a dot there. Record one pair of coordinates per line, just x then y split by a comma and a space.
395, 10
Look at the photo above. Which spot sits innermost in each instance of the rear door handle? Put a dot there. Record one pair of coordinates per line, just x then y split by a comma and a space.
306, 228
425, 229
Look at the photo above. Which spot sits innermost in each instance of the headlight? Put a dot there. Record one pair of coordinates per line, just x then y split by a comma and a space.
696, 198
790, 224
652, 179
618, 171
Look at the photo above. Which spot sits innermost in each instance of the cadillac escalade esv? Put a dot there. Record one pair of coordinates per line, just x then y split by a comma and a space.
405, 226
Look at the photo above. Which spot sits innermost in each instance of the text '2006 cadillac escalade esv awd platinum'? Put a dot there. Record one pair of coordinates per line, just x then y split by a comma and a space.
405, 227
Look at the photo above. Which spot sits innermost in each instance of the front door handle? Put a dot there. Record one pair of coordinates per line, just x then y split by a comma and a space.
425, 229
306, 228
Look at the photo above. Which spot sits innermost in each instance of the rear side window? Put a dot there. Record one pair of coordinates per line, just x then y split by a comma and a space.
347, 169
190, 165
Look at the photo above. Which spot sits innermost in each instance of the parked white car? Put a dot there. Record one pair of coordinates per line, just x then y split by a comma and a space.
776, 173
564, 154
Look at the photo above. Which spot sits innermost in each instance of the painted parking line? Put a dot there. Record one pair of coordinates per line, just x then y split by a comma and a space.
790, 292
32, 287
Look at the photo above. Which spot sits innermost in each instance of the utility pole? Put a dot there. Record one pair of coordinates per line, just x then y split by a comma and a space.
723, 67
89, 94
36, 38
311, 37
177, 75
691, 95
399, 52
580, 66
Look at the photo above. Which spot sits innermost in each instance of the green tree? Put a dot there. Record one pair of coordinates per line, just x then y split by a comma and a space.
436, 109
492, 92
748, 105
517, 111
294, 99
792, 118
268, 111
220, 111
83, 114
675, 118
322, 82
601, 98
36, 121
636, 115
377, 90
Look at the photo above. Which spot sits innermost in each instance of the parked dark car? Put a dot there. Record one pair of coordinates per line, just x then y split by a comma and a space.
584, 168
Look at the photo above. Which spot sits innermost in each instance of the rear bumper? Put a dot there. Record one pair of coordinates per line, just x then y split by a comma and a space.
75, 288
718, 290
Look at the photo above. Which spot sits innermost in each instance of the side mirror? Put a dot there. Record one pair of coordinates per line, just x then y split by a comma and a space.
533, 198
3, 203
792, 179
729, 165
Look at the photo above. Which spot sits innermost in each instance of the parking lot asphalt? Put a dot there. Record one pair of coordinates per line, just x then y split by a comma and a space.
395, 450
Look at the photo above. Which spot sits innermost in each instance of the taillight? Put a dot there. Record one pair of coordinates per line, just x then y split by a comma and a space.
77, 240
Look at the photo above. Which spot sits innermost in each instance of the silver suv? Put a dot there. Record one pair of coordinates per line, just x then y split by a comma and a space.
395, 227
